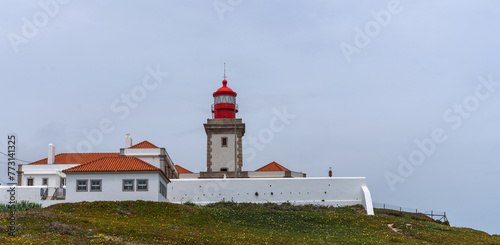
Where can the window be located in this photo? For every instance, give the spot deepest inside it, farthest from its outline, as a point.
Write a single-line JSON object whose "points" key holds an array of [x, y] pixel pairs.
{"points": [[45, 181], [225, 99], [142, 185], [95, 185], [81, 185], [63, 182], [224, 141], [128, 185], [30, 182], [223, 169], [163, 190]]}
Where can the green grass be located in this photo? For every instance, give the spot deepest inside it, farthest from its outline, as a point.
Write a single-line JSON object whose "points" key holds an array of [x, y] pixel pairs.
{"points": [[20, 206], [139, 222]]}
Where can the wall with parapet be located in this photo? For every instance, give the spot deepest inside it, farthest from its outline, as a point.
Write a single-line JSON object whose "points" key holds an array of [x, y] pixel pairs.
{"points": [[27, 193], [320, 191]]}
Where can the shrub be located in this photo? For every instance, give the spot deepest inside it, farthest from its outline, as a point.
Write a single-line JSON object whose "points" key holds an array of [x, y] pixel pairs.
{"points": [[189, 204], [20, 206]]}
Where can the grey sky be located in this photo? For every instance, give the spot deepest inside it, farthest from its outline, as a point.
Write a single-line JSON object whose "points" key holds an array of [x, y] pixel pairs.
{"points": [[357, 117]]}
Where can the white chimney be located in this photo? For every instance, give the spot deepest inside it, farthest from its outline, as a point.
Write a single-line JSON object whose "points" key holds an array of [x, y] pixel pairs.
{"points": [[128, 141], [52, 154]]}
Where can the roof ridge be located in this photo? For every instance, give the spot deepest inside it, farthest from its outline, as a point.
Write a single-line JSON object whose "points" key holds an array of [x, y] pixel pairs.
{"points": [[78, 158], [87, 163], [146, 143], [117, 157], [109, 164], [271, 165], [87, 153], [183, 169]]}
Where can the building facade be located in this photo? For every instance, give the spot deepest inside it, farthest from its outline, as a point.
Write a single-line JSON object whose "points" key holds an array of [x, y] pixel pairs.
{"points": [[146, 172]]}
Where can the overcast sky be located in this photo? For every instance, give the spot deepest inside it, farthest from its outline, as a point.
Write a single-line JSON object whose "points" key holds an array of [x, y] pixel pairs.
{"points": [[404, 92]]}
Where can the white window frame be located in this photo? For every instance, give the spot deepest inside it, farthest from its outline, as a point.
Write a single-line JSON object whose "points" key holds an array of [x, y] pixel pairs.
{"points": [[163, 190], [86, 185], [100, 185], [28, 182], [147, 184], [123, 185]]}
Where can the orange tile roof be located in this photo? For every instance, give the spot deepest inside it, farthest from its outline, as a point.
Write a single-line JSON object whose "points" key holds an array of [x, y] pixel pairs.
{"points": [[76, 158], [144, 144], [115, 164], [274, 166], [182, 170]]}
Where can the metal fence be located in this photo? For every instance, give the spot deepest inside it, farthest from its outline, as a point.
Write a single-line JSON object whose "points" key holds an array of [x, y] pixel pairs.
{"points": [[436, 215], [52, 193]]}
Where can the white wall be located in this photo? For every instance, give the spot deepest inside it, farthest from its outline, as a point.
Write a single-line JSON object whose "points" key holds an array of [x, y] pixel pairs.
{"points": [[367, 200], [39, 171], [142, 152], [273, 174], [266, 174], [222, 157], [189, 176], [321, 191], [27, 193], [112, 187], [149, 155]]}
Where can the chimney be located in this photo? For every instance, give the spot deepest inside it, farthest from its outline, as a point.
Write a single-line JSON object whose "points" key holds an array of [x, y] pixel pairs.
{"points": [[128, 141], [52, 154]]}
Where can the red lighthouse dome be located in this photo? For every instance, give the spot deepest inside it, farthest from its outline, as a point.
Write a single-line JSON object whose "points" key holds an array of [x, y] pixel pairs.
{"points": [[224, 102]]}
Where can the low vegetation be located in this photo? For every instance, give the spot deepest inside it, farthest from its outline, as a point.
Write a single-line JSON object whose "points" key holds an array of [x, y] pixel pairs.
{"points": [[139, 222], [20, 206]]}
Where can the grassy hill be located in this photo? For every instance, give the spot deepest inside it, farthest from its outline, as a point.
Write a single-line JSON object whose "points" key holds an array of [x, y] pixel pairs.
{"points": [[139, 222]]}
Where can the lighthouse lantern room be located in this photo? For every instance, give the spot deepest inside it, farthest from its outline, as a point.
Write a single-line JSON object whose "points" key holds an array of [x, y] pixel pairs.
{"points": [[224, 102]]}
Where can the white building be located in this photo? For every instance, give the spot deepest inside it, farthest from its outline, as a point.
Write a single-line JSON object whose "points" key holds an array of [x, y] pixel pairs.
{"points": [[144, 171], [116, 179], [145, 166]]}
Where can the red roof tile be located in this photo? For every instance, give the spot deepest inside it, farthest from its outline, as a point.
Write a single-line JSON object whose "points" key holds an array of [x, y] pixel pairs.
{"points": [[182, 170], [274, 166], [76, 158], [144, 144], [114, 164]]}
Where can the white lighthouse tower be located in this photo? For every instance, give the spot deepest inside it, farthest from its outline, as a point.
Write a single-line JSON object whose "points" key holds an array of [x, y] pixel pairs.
{"points": [[224, 137]]}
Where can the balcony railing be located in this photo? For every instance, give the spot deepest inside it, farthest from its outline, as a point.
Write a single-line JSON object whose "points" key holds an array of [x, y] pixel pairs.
{"points": [[53, 193]]}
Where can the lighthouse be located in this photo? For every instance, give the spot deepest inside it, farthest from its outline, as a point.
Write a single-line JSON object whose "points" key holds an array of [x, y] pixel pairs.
{"points": [[224, 105], [224, 137]]}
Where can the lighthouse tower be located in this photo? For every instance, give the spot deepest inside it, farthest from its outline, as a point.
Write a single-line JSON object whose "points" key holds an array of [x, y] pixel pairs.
{"points": [[224, 133]]}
